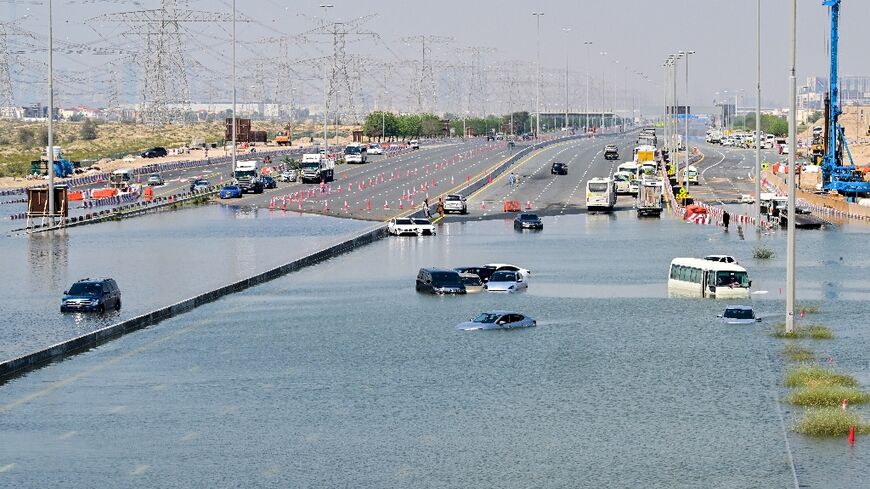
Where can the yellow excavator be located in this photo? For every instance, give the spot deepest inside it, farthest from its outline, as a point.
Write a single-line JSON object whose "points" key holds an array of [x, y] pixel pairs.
{"points": [[284, 138]]}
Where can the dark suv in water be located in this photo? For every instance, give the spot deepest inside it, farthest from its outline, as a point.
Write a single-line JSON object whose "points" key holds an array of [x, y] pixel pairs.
{"points": [[92, 295]]}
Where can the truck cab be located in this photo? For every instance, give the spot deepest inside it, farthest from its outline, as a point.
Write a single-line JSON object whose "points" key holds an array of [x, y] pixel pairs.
{"points": [[247, 176], [317, 168]]}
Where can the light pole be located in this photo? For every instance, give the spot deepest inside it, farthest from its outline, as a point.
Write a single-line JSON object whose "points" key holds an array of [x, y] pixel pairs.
{"points": [[603, 82], [49, 154], [758, 120], [538, 78], [588, 82], [325, 8], [792, 141], [686, 114], [290, 140], [566, 30]]}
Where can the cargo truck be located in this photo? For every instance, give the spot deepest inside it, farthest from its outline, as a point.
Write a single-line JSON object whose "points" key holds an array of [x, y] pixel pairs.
{"points": [[317, 168], [649, 197], [246, 175]]}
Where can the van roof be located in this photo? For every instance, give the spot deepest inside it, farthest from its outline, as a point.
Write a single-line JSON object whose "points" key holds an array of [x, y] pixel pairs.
{"points": [[715, 266]]}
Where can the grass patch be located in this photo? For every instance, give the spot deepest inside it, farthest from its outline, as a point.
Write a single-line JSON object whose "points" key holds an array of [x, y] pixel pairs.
{"points": [[827, 395], [815, 376], [809, 309], [798, 353], [813, 331], [830, 422], [762, 252]]}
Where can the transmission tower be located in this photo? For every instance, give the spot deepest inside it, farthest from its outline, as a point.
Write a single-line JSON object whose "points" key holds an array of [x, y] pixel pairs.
{"points": [[7, 98], [427, 97], [166, 92], [477, 84]]}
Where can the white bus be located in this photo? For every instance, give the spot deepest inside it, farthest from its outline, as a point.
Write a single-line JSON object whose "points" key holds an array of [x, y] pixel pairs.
{"points": [[600, 194], [695, 277]]}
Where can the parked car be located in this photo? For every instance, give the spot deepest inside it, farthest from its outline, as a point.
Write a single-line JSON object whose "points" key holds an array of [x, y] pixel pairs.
{"points": [[155, 179], [559, 168], [157, 152], [375, 149], [424, 226], [402, 226], [231, 192], [739, 315], [527, 220], [472, 283], [497, 320], [506, 281], [268, 182], [483, 272], [414, 144], [439, 281], [455, 203], [199, 184], [288, 176], [92, 295]]}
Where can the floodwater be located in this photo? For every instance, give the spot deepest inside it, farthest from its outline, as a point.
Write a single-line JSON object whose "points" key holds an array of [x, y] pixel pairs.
{"points": [[157, 260], [342, 376]]}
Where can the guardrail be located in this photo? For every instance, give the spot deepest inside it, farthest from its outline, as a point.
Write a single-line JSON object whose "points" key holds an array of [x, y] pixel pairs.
{"points": [[17, 366]]}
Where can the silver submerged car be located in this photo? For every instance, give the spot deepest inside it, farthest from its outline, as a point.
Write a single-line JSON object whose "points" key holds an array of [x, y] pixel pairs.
{"points": [[506, 281], [497, 320], [739, 315]]}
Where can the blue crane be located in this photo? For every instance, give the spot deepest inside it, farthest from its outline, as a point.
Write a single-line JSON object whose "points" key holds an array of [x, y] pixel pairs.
{"points": [[845, 179]]}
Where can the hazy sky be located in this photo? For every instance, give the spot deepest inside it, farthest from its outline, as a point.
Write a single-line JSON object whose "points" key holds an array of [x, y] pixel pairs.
{"points": [[638, 33]]}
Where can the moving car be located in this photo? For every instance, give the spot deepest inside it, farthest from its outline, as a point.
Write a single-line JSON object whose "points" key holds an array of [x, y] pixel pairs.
{"points": [[199, 184], [739, 315], [483, 272], [288, 176], [402, 226], [92, 295], [528, 221], [455, 203], [155, 179], [559, 168], [497, 320], [375, 149], [611, 152], [231, 192], [269, 182], [157, 152], [424, 226], [439, 281], [506, 281], [472, 283]]}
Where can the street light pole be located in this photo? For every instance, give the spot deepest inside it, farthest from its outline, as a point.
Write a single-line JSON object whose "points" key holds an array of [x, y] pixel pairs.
{"points": [[686, 115], [234, 122], [588, 82], [603, 82], [758, 120], [325, 8], [566, 30], [538, 79], [50, 150], [792, 141]]}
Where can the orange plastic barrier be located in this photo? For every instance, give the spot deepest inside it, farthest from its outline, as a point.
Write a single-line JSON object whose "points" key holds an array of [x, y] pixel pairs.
{"points": [[695, 209], [104, 192], [149, 191], [75, 196], [512, 206]]}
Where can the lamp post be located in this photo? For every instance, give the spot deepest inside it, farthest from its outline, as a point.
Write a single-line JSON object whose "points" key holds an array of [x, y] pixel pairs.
{"points": [[325, 8], [603, 82], [792, 141], [686, 114], [758, 120], [538, 78], [50, 150], [588, 82], [566, 30]]}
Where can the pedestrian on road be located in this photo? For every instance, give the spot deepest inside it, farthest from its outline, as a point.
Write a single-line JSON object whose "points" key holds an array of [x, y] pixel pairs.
{"points": [[440, 207], [426, 209], [726, 218], [511, 179], [322, 187]]}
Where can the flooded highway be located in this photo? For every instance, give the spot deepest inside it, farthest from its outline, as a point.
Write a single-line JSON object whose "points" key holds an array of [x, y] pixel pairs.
{"points": [[343, 375]]}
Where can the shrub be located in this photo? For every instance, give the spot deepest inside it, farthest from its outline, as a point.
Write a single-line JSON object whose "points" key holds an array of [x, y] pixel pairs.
{"points": [[88, 131], [827, 395], [798, 353], [816, 376], [813, 331], [762, 252], [830, 421]]}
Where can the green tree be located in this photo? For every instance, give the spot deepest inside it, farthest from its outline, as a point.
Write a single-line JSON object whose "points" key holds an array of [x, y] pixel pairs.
{"points": [[88, 131]]}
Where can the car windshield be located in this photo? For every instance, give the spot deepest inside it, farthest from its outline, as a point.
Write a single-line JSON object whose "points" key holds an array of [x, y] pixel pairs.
{"points": [[311, 165], [473, 281], [503, 276], [231, 187], [528, 217], [352, 150], [245, 173], [487, 318], [201, 182], [155, 176], [598, 187], [86, 288], [453, 197], [404, 221], [738, 313], [446, 279], [422, 221], [732, 279]]}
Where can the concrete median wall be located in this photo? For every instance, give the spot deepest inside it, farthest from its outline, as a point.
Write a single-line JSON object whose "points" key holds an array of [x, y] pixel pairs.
{"points": [[17, 366]]}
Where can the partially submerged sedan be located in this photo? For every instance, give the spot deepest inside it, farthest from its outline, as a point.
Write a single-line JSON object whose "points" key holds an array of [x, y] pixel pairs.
{"points": [[402, 226], [497, 320], [506, 281], [739, 315], [424, 226], [472, 282]]}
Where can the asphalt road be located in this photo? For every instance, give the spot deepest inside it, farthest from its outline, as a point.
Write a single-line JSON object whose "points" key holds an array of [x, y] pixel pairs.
{"points": [[727, 172]]}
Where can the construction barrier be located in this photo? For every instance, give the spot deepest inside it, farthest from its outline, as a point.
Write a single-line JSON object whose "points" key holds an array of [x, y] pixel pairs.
{"points": [[511, 206]]}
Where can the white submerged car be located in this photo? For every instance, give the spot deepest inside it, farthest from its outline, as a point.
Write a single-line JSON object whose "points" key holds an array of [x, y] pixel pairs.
{"points": [[424, 226], [499, 267], [402, 226], [506, 281]]}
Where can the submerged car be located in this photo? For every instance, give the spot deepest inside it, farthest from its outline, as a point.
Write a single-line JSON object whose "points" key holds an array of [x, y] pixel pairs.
{"points": [[92, 295], [439, 281], [424, 226], [497, 320], [483, 272], [402, 226], [528, 221], [231, 192], [498, 267], [739, 315], [506, 281], [472, 282]]}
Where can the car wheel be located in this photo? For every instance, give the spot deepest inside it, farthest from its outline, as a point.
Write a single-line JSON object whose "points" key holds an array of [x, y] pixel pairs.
{"points": [[101, 309], [118, 305]]}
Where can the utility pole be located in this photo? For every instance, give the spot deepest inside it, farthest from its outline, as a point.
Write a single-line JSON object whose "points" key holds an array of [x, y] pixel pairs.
{"points": [[588, 82], [538, 79], [50, 150], [758, 120], [792, 141], [566, 30]]}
